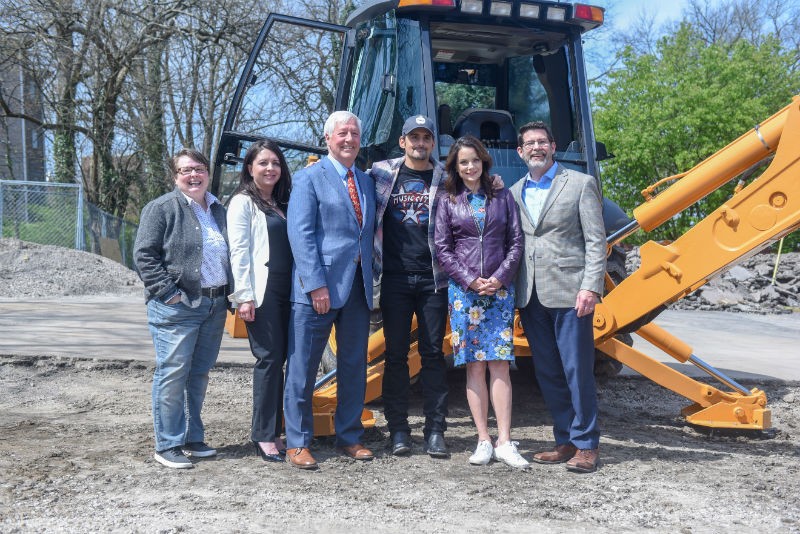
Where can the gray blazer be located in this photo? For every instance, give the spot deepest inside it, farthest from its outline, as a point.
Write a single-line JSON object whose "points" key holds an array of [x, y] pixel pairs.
{"points": [[168, 249], [565, 251]]}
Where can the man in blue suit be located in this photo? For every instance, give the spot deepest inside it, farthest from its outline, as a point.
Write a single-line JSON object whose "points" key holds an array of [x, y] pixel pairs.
{"points": [[331, 219]]}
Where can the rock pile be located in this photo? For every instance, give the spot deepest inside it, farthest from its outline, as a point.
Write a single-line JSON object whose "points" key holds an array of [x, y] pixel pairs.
{"points": [[45, 271], [746, 287]]}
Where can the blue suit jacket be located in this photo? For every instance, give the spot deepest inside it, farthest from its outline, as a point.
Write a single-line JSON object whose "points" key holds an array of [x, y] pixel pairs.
{"points": [[324, 233]]}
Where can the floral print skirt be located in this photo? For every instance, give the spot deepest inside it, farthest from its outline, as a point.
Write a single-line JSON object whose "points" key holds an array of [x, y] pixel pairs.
{"points": [[481, 325]]}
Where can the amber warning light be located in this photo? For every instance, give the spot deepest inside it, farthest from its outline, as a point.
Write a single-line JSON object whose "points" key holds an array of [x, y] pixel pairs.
{"points": [[588, 13], [442, 3]]}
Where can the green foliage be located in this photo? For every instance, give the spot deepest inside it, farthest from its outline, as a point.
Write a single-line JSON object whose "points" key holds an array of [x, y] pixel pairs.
{"points": [[461, 97], [663, 113], [42, 223]]}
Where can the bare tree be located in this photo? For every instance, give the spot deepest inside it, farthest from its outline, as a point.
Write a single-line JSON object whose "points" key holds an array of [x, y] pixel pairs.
{"points": [[735, 20], [201, 65], [125, 82]]}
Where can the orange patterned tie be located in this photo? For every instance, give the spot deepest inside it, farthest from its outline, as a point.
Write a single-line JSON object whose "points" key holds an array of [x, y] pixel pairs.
{"points": [[351, 189]]}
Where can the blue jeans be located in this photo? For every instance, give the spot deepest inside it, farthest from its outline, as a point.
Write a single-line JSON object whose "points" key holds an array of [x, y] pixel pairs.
{"points": [[187, 342]]}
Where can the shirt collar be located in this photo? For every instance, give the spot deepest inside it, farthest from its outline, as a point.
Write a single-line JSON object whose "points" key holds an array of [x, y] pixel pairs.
{"points": [[341, 169], [210, 199], [546, 179]]}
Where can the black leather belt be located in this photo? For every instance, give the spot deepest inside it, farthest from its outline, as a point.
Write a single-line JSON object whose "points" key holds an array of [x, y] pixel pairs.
{"points": [[214, 292]]}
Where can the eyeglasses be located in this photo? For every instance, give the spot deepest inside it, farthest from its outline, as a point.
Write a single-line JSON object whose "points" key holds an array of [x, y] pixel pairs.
{"points": [[533, 143], [187, 171]]}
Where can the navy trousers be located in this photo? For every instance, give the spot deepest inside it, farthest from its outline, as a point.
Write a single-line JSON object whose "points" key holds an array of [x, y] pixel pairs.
{"points": [[308, 336], [563, 350]]}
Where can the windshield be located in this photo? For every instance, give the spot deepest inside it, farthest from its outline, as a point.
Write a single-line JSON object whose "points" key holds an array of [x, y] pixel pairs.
{"points": [[387, 83]]}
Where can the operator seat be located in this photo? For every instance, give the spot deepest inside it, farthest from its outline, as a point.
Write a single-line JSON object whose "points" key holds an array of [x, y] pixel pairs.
{"points": [[494, 127]]}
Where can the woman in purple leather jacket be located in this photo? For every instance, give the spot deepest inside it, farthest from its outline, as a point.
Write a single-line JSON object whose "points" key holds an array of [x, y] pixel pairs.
{"points": [[479, 244]]}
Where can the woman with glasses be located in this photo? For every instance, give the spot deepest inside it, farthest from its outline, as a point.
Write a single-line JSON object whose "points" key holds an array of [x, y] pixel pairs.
{"points": [[479, 245], [262, 268], [181, 253]]}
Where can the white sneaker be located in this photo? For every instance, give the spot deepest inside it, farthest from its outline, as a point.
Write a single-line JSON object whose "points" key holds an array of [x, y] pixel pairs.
{"points": [[483, 453], [507, 453]]}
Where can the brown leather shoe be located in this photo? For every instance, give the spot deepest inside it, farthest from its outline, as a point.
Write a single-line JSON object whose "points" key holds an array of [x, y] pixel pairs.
{"points": [[559, 455], [301, 458], [584, 461], [357, 451]]}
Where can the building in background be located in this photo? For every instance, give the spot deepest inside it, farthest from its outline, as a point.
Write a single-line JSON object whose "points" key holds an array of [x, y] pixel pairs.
{"points": [[21, 141]]}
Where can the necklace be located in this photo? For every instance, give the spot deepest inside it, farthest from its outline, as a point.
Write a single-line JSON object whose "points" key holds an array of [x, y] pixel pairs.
{"points": [[270, 202]]}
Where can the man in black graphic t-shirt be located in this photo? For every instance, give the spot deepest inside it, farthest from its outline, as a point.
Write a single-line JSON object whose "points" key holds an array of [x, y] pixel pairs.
{"points": [[411, 283]]}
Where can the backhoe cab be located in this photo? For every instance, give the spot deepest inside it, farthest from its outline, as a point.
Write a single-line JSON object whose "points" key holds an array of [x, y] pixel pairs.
{"points": [[485, 67]]}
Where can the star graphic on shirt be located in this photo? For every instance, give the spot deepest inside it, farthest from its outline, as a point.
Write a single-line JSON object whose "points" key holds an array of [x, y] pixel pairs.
{"points": [[411, 215], [410, 203]]}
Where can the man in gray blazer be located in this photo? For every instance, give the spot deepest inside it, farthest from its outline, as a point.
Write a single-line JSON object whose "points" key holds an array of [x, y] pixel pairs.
{"points": [[557, 286], [331, 221]]}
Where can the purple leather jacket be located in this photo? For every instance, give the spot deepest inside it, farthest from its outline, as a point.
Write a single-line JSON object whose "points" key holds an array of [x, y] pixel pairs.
{"points": [[464, 254]]}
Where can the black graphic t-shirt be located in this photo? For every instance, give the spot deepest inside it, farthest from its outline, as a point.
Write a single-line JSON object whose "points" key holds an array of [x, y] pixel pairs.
{"points": [[405, 223]]}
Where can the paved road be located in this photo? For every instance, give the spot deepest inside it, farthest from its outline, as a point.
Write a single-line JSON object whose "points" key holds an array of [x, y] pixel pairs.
{"points": [[90, 327], [744, 346]]}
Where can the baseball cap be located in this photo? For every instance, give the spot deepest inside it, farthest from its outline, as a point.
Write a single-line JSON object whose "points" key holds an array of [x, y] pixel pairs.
{"points": [[417, 121]]}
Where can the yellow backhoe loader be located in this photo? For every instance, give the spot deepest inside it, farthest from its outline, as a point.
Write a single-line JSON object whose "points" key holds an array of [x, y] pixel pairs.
{"points": [[485, 67]]}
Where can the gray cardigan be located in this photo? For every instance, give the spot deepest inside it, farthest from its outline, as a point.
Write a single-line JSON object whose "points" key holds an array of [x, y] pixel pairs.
{"points": [[168, 249]]}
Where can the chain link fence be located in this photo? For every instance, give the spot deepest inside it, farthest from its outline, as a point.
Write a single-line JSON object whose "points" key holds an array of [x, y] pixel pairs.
{"points": [[56, 214]]}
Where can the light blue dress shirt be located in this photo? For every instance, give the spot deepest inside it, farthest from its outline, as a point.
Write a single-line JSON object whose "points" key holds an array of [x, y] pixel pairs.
{"points": [[534, 194]]}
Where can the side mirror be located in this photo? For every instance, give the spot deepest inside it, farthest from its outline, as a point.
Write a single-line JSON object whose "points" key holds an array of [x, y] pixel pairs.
{"points": [[601, 153]]}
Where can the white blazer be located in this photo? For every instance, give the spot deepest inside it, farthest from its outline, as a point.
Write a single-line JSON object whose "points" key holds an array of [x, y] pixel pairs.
{"points": [[248, 241]]}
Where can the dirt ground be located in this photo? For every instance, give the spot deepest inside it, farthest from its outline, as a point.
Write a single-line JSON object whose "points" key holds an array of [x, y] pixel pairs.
{"points": [[76, 456], [76, 449]]}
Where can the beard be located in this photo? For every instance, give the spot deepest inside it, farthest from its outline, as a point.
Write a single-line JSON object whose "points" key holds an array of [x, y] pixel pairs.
{"points": [[419, 154], [539, 164]]}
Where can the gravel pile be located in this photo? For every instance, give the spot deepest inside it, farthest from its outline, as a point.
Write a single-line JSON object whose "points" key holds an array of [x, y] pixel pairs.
{"points": [[43, 271], [746, 287]]}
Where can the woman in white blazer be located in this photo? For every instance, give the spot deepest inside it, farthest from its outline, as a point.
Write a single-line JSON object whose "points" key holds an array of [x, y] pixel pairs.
{"points": [[261, 261]]}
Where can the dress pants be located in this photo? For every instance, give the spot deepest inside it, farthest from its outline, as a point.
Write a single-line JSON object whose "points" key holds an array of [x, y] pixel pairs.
{"points": [[402, 296], [268, 334], [308, 337], [563, 350]]}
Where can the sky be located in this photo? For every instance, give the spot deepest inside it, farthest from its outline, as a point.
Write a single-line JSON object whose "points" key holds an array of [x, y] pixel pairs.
{"points": [[621, 15], [624, 12]]}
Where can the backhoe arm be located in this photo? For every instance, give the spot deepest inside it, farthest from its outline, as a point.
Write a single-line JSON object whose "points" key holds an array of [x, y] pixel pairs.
{"points": [[762, 212], [757, 215]]}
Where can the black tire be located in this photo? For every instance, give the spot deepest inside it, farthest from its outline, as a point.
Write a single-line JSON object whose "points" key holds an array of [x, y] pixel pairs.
{"points": [[328, 362]]}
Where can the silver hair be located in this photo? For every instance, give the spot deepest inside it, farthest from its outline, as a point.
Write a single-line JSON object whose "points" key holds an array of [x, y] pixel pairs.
{"points": [[340, 117]]}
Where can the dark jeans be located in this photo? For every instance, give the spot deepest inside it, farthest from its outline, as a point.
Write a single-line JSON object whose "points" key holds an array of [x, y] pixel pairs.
{"points": [[267, 334], [402, 296]]}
